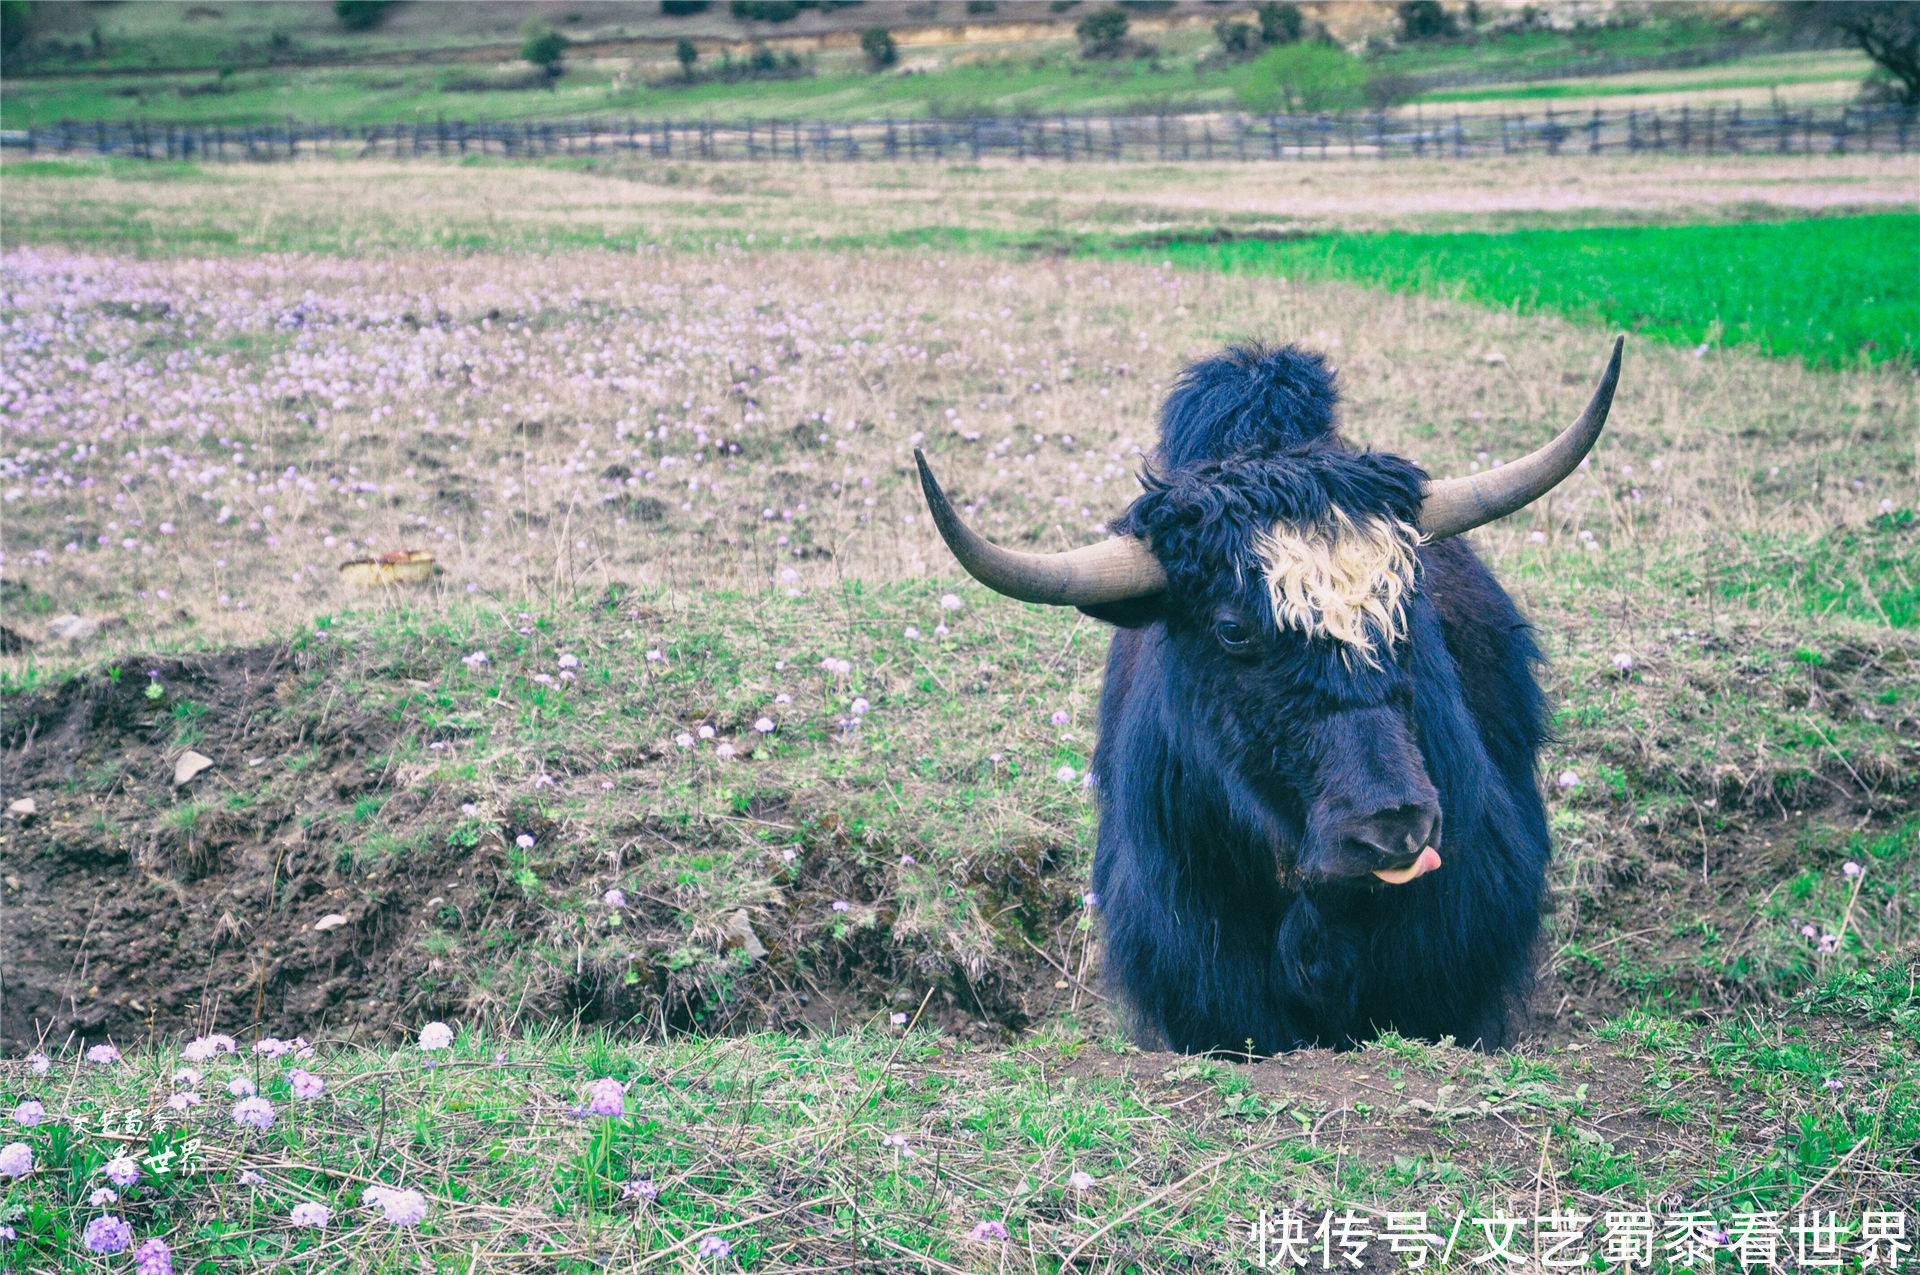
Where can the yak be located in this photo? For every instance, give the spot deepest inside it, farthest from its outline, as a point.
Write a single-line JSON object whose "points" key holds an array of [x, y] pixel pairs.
{"points": [[1316, 773]]}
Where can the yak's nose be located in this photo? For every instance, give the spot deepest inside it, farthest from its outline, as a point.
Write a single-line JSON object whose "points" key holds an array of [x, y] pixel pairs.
{"points": [[1394, 841]]}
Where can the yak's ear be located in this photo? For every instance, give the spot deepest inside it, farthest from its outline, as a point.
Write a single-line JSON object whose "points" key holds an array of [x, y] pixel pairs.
{"points": [[1129, 613]]}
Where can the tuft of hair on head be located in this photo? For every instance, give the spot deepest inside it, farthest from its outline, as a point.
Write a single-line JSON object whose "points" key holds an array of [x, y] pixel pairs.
{"points": [[1249, 397], [1342, 578]]}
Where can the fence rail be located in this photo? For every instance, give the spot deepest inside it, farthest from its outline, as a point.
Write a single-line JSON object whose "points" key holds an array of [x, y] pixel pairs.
{"points": [[1064, 139]]}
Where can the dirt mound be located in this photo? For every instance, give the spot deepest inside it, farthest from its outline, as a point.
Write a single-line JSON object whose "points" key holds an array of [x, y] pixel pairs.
{"points": [[133, 903]]}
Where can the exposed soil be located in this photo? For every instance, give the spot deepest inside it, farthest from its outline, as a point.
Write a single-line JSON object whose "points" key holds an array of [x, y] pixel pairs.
{"points": [[130, 904]]}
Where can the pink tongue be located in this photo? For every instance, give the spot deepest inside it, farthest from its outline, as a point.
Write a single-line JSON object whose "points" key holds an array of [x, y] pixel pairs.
{"points": [[1429, 860]]}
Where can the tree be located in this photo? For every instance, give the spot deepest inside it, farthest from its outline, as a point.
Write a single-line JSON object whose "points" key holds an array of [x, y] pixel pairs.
{"points": [[1101, 34], [1279, 23], [1888, 31], [1424, 20], [361, 15], [16, 23], [682, 8], [543, 46], [1306, 78], [877, 43], [687, 53]]}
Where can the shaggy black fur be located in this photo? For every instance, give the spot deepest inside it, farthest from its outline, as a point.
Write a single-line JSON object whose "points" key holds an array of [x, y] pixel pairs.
{"points": [[1240, 780]]}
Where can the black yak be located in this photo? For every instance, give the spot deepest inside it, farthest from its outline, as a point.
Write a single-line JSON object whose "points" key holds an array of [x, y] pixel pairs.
{"points": [[1315, 699]]}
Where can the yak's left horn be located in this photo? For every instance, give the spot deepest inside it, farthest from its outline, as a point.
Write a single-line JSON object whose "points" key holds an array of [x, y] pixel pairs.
{"points": [[1454, 505], [1110, 571]]}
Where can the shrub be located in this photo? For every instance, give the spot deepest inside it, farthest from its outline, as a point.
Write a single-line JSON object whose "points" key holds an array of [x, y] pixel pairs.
{"points": [[1279, 23], [686, 53], [766, 10], [879, 47], [361, 15], [682, 8], [1102, 34], [1424, 20], [1306, 78], [1237, 39], [541, 45]]}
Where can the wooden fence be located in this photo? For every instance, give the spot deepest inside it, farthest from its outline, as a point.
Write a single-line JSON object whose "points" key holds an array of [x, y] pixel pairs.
{"points": [[1063, 139]]}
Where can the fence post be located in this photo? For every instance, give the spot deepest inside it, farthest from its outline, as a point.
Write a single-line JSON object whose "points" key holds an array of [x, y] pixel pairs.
{"points": [[1380, 134], [1712, 118], [1593, 133]]}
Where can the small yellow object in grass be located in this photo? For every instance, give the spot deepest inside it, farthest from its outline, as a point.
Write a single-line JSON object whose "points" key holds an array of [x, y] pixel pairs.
{"points": [[407, 566]]}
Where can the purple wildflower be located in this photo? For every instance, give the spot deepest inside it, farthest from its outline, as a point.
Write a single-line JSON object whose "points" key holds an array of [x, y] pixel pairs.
{"points": [[204, 1048], [16, 1160], [30, 1113], [153, 1258], [305, 1083], [404, 1208], [122, 1171], [714, 1246], [991, 1229], [639, 1189], [241, 1087], [103, 1055], [255, 1113], [436, 1036], [107, 1234], [309, 1213], [607, 1098]]}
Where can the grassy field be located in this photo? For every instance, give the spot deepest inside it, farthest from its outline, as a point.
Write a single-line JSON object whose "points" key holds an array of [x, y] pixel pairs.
{"points": [[1830, 292], [240, 63], [665, 470]]}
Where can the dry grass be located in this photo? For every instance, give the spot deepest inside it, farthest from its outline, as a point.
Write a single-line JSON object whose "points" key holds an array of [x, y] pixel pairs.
{"points": [[379, 206], [282, 415]]}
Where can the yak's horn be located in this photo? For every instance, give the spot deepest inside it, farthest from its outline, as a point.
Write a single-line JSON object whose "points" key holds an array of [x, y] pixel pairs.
{"points": [[1454, 505], [1110, 571]]}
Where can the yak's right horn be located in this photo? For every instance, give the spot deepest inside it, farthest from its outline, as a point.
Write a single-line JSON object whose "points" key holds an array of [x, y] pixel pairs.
{"points": [[1110, 571]]}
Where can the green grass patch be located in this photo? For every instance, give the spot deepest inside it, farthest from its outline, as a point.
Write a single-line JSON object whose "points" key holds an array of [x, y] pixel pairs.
{"points": [[1832, 292]]}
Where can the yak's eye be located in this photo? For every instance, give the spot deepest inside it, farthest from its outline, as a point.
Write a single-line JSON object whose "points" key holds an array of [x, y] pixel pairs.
{"points": [[1232, 634]]}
